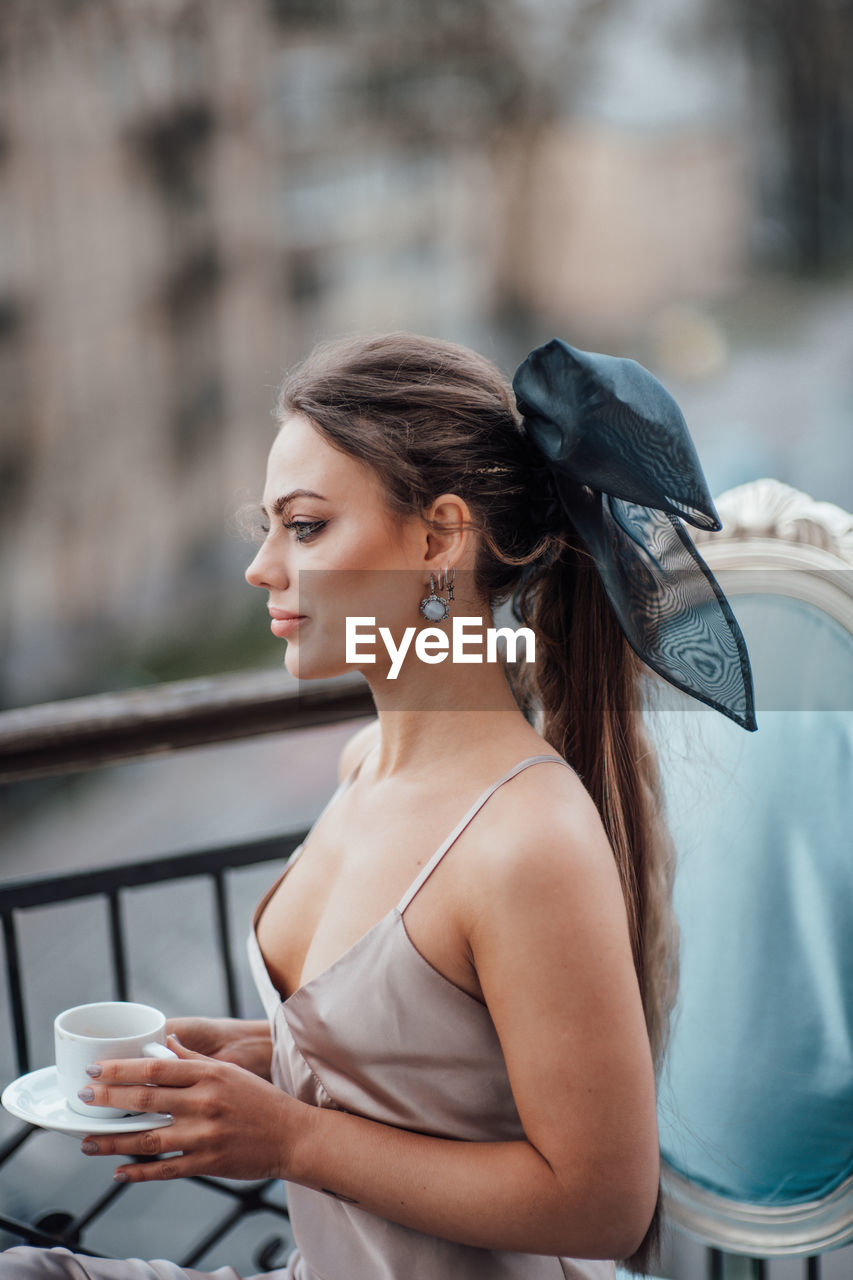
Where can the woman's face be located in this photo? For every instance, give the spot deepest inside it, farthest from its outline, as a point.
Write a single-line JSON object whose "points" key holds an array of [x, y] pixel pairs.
{"points": [[331, 552]]}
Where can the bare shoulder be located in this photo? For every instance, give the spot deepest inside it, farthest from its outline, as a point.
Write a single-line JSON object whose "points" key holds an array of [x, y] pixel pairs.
{"points": [[542, 807], [544, 839], [356, 747]]}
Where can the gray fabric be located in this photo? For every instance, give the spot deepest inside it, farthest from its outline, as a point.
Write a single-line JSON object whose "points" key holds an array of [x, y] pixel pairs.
{"points": [[27, 1263]]}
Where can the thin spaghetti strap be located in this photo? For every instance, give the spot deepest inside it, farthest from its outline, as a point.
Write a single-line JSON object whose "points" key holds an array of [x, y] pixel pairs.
{"points": [[436, 858]]}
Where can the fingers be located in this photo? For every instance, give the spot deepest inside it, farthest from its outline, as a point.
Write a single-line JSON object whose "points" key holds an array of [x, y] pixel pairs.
{"points": [[207, 1035], [182, 1071], [178, 1166], [178, 1047], [144, 1084], [228, 1124], [156, 1085], [153, 1142]]}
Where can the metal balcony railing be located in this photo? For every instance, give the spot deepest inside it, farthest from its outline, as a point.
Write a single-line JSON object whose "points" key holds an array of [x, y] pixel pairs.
{"points": [[112, 885], [81, 734]]}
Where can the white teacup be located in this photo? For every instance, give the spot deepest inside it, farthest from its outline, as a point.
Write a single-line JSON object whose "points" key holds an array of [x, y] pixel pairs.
{"points": [[94, 1032]]}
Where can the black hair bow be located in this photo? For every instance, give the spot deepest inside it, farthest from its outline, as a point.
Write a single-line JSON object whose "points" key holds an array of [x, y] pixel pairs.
{"points": [[625, 469]]}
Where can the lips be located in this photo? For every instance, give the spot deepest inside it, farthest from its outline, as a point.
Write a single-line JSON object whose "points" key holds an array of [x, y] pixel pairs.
{"points": [[283, 623]]}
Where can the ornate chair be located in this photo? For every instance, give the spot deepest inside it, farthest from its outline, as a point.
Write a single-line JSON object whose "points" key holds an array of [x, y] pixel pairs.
{"points": [[756, 1100]]}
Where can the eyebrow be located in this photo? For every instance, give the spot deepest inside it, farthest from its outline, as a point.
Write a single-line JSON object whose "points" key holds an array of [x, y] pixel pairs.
{"points": [[279, 505]]}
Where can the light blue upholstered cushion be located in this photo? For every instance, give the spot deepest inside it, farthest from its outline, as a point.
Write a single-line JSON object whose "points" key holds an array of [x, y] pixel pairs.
{"points": [[756, 1100], [629, 1275]]}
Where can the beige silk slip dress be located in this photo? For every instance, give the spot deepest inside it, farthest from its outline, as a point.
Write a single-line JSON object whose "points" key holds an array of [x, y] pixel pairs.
{"points": [[382, 1034]]}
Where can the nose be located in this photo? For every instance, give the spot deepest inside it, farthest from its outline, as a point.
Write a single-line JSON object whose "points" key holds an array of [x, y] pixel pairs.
{"points": [[267, 570]]}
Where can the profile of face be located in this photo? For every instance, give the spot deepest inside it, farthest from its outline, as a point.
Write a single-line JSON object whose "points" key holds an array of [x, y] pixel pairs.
{"points": [[333, 550]]}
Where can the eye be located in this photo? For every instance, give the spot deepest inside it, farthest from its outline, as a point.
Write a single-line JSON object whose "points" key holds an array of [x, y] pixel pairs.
{"points": [[305, 529]]}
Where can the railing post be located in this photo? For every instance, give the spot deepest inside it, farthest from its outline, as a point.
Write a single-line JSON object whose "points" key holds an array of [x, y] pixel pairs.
{"points": [[16, 997], [117, 947], [223, 925]]}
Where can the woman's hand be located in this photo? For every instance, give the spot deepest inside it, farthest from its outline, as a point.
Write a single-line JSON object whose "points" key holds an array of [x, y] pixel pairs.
{"points": [[239, 1040], [226, 1121]]}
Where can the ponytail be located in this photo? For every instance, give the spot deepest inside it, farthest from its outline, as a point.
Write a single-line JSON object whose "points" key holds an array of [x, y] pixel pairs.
{"points": [[586, 686]]}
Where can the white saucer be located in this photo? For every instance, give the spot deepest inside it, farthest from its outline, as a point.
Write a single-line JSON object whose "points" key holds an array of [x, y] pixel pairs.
{"points": [[35, 1098]]}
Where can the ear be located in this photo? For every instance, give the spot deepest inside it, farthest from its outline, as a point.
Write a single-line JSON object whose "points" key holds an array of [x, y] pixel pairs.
{"points": [[448, 545]]}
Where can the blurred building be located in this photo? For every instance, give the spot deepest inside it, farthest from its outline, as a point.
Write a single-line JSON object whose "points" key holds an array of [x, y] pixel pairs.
{"points": [[192, 192], [638, 192], [185, 208]]}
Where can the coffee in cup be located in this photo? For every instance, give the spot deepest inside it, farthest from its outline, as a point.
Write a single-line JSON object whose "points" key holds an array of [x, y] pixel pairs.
{"points": [[95, 1032]]}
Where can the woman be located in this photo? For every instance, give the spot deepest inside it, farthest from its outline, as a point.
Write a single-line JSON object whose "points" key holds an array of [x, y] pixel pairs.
{"points": [[465, 1034]]}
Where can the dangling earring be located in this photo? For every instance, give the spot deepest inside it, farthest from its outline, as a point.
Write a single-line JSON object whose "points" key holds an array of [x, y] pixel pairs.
{"points": [[435, 608]]}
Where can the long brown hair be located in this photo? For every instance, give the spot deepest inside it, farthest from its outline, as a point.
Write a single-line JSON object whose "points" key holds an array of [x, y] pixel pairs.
{"points": [[432, 417]]}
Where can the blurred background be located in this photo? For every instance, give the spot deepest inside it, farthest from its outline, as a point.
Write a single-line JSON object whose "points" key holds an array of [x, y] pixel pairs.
{"points": [[192, 192]]}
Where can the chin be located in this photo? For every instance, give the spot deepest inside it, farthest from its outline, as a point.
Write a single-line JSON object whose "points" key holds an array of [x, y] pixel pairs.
{"points": [[312, 666]]}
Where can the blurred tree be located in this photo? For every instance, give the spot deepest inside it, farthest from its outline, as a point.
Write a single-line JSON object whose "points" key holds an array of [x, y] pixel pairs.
{"points": [[426, 75], [496, 74]]}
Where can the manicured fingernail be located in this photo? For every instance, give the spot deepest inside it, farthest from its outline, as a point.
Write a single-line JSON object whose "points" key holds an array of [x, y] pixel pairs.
{"points": [[94, 1069], [120, 1176], [89, 1147], [86, 1095]]}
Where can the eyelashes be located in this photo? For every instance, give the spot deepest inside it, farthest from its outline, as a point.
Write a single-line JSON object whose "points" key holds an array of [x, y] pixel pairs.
{"points": [[252, 523], [305, 529]]}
